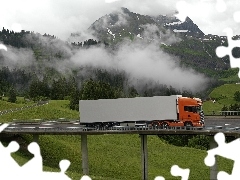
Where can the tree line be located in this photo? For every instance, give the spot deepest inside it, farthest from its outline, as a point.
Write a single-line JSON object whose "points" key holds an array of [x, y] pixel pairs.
{"points": [[51, 85], [102, 84]]}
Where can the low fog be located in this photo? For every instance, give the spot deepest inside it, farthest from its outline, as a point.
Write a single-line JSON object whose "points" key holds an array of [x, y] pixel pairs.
{"points": [[142, 59]]}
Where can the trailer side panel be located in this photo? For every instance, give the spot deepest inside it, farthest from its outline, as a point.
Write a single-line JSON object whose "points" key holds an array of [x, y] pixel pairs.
{"points": [[128, 109]]}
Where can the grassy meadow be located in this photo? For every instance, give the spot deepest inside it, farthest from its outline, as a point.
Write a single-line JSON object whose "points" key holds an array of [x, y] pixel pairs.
{"points": [[118, 157], [111, 157], [223, 95], [55, 109]]}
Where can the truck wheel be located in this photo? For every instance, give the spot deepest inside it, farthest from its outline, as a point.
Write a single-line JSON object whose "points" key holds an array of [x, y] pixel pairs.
{"points": [[155, 124], [99, 126], [188, 125], [164, 125]]}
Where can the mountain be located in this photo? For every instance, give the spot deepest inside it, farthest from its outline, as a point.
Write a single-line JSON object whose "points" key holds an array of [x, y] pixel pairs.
{"points": [[45, 57], [195, 49], [118, 25], [186, 28]]}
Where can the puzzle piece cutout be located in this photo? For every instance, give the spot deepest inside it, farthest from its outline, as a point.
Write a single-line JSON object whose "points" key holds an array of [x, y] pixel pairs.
{"points": [[85, 177], [5, 156], [236, 16], [36, 161], [182, 8], [227, 150], [222, 51], [33, 169], [110, 1], [3, 126], [221, 6], [177, 171], [3, 47]]}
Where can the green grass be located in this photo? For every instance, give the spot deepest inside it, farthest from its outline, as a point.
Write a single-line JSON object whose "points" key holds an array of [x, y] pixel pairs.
{"points": [[224, 95], [5, 105], [54, 110], [230, 75], [118, 157], [209, 107], [225, 91], [233, 78], [111, 157]]}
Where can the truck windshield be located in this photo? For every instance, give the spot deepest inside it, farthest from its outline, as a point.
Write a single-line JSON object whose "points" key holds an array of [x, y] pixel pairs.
{"points": [[199, 109], [194, 109]]}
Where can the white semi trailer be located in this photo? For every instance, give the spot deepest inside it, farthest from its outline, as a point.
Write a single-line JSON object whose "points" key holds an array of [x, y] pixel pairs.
{"points": [[172, 110]]}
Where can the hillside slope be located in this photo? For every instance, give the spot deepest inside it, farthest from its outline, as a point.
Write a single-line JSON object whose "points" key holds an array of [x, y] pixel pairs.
{"points": [[223, 96], [182, 39], [112, 157]]}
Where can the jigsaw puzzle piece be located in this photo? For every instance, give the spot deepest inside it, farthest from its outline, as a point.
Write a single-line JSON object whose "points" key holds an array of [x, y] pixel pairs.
{"points": [[221, 141], [5, 125], [177, 171], [40, 174], [181, 7], [222, 51], [8, 163], [3, 47], [236, 16], [223, 176], [85, 177], [156, 178], [36, 161], [111, 1], [226, 150], [64, 165], [210, 159], [221, 6], [223, 149]]}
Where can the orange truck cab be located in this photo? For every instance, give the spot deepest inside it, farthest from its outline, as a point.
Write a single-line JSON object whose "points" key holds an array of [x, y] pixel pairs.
{"points": [[190, 111]]}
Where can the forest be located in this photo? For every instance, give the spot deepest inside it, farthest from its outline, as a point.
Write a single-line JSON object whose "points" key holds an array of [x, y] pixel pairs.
{"points": [[100, 83]]}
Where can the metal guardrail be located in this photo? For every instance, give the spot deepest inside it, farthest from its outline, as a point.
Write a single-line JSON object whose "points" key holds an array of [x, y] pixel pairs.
{"points": [[54, 126], [169, 128], [68, 126], [41, 103]]}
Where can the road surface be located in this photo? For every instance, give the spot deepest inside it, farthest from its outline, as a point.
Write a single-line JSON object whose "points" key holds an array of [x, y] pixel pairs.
{"points": [[223, 121]]}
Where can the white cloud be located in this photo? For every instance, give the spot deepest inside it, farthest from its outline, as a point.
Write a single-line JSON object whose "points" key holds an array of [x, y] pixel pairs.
{"points": [[142, 61], [14, 57], [3, 47], [64, 17]]}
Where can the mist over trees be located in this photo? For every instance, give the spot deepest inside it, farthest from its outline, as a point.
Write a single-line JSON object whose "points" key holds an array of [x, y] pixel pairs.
{"points": [[37, 81]]}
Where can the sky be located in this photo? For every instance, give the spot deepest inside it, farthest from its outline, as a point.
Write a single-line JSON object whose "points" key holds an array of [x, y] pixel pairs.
{"points": [[62, 17]]}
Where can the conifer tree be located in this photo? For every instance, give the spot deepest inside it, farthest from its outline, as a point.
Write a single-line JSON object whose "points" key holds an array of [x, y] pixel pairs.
{"points": [[12, 95]]}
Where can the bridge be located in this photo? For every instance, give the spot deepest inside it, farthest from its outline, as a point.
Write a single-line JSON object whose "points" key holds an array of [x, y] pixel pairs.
{"points": [[72, 127]]}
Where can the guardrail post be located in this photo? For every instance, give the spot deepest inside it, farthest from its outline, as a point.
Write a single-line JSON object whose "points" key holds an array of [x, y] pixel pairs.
{"points": [[214, 168], [84, 154], [144, 157], [35, 138]]}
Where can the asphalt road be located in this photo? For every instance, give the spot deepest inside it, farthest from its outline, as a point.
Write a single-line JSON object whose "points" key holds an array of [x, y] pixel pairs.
{"points": [[213, 125], [209, 121], [222, 121]]}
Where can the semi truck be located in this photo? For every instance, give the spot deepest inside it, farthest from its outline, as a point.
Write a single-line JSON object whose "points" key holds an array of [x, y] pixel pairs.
{"points": [[156, 111]]}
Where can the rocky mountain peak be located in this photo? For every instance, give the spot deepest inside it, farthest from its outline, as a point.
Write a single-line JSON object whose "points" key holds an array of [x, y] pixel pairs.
{"points": [[124, 23]]}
